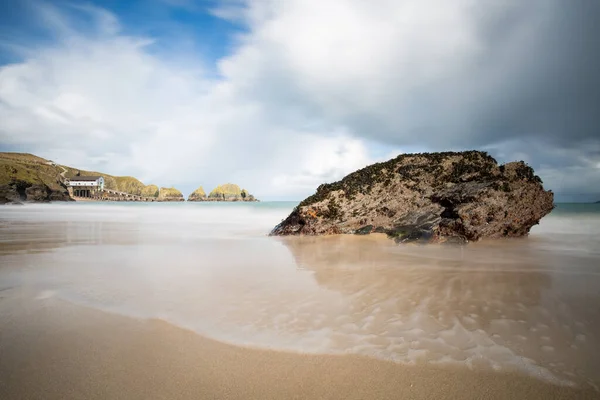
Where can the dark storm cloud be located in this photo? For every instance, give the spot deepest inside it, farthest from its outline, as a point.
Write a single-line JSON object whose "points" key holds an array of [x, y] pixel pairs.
{"points": [[552, 90], [535, 73], [538, 77], [531, 90], [551, 100]]}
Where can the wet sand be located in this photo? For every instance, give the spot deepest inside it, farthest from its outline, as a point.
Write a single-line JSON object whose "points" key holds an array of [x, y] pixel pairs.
{"points": [[51, 349], [194, 301]]}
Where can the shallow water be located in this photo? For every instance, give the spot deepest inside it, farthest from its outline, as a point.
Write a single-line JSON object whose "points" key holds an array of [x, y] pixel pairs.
{"points": [[530, 305]]}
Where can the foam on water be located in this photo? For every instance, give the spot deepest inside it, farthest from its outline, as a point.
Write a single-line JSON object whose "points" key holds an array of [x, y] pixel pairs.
{"points": [[526, 305]]}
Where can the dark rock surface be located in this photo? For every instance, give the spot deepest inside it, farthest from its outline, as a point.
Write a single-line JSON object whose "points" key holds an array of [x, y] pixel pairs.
{"points": [[432, 197], [18, 192]]}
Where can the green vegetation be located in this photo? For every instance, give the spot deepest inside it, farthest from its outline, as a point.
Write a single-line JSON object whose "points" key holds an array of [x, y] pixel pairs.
{"points": [[24, 158], [197, 195], [230, 192], [525, 172], [27, 169], [22, 170], [169, 193], [129, 184], [199, 192], [333, 211], [150, 191], [126, 184], [412, 165], [226, 191]]}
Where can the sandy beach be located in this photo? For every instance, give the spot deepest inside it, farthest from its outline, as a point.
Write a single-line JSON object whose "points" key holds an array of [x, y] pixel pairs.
{"points": [[167, 301], [55, 350]]}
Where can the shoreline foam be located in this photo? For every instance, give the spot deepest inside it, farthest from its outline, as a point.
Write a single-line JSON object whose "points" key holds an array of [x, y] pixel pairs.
{"points": [[53, 349]]}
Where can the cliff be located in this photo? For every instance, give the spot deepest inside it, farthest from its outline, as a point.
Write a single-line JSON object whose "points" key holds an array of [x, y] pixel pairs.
{"points": [[430, 197], [150, 191], [170, 194], [197, 195], [25, 177], [230, 192], [126, 184]]}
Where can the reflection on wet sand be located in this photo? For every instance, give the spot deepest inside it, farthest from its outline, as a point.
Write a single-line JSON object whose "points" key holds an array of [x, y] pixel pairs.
{"points": [[35, 237], [492, 305], [528, 306]]}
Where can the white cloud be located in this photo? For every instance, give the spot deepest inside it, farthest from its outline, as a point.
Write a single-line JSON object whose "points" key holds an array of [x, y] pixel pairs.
{"points": [[328, 159], [388, 65], [442, 73], [106, 103], [302, 99]]}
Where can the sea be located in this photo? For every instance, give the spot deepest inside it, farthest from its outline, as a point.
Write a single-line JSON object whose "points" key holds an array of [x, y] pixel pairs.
{"points": [[528, 305]]}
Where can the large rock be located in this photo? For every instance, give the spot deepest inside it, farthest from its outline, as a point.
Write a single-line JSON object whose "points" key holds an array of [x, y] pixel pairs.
{"points": [[20, 191], [25, 177], [434, 197], [170, 194], [10, 194], [229, 192], [197, 195]]}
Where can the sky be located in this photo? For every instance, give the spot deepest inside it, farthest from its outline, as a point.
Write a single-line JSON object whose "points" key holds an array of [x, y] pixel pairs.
{"points": [[280, 96]]}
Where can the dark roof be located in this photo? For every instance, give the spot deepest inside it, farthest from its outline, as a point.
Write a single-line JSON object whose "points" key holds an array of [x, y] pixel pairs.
{"points": [[85, 178]]}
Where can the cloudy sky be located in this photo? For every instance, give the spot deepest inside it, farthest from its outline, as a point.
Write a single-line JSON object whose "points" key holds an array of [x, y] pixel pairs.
{"points": [[282, 95]]}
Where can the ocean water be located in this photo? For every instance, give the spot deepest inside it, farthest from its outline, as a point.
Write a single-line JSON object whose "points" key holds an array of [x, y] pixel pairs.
{"points": [[530, 305]]}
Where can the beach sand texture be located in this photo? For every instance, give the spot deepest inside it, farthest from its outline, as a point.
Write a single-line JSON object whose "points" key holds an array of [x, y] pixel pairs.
{"points": [[194, 301], [55, 350]]}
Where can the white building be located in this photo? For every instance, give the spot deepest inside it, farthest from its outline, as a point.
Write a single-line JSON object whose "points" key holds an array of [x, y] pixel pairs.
{"points": [[93, 181], [86, 186]]}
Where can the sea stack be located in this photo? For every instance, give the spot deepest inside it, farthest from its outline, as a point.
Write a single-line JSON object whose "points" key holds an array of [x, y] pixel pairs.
{"points": [[170, 194], [230, 192], [197, 195], [428, 197]]}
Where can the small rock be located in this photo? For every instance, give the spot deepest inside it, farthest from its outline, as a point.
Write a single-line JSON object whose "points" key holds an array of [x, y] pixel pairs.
{"points": [[365, 230]]}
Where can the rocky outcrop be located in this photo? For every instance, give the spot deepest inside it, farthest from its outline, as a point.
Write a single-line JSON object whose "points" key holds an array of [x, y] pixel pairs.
{"points": [[25, 177], [431, 197], [229, 192], [197, 195], [21, 191], [170, 194], [124, 184], [150, 191], [129, 184]]}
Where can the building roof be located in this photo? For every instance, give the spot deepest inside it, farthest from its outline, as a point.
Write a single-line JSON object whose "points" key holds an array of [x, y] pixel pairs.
{"points": [[85, 178]]}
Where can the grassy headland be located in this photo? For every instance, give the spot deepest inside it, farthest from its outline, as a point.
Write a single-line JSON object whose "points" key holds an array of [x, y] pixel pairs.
{"points": [[26, 177]]}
